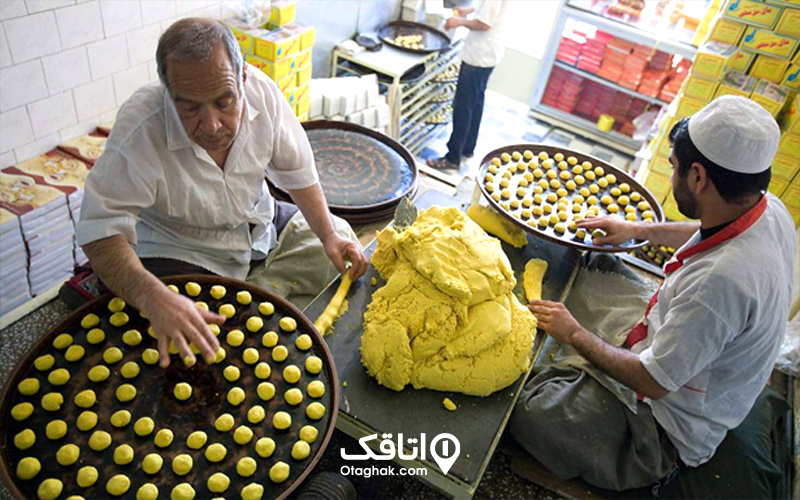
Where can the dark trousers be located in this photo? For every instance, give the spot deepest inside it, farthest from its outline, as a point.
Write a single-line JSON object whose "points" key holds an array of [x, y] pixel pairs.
{"points": [[467, 111]]}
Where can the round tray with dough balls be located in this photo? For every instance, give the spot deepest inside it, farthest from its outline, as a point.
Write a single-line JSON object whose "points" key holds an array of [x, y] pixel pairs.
{"points": [[40, 438], [536, 185]]}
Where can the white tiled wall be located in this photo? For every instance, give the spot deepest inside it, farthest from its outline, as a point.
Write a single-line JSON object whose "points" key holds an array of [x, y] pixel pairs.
{"points": [[66, 66]]}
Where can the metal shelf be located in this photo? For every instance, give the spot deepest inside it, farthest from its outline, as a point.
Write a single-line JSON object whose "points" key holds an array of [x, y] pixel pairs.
{"points": [[609, 83], [586, 128]]}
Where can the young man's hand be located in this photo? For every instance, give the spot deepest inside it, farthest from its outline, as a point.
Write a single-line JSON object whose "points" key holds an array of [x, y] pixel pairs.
{"points": [[617, 230], [555, 319]]}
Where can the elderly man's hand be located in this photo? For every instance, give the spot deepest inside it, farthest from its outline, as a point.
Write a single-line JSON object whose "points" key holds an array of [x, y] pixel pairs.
{"points": [[341, 251], [555, 319], [176, 318]]}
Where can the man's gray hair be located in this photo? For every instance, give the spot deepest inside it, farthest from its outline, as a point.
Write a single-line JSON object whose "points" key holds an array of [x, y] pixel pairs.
{"points": [[196, 39]]}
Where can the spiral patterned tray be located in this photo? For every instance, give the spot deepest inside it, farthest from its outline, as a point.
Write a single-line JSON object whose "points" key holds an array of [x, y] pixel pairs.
{"points": [[433, 40]]}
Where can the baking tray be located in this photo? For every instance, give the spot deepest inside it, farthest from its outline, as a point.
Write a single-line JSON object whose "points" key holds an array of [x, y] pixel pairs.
{"points": [[433, 39], [413, 75], [155, 399], [549, 232]]}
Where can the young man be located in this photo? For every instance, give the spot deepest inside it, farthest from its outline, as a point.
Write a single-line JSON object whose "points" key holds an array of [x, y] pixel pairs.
{"points": [[709, 337]]}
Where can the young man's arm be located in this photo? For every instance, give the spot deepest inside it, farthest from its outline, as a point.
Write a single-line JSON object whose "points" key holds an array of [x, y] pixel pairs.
{"points": [[471, 24], [671, 234]]}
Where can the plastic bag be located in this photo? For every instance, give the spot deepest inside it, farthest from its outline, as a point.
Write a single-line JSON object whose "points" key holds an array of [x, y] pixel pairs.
{"points": [[251, 13], [789, 356]]}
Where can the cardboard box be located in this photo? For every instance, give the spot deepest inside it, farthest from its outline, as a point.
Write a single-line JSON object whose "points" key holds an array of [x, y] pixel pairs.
{"points": [[791, 197], [281, 12], [790, 147], [790, 119], [726, 31], [303, 75], [276, 45], [302, 58], [244, 34], [671, 211], [740, 61], [784, 167], [660, 164], [687, 106], [752, 12], [736, 83], [287, 83], [770, 96], [791, 78], [712, 58], [658, 184], [276, 70], [777, 186], [769, 68], [306, 33], [303, 106], [699, 87], [766, 42], [789, 23], [303, 93], [785, 3]]}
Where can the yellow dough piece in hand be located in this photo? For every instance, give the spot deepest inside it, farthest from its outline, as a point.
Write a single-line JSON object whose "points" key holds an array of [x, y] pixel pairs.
{"points": [[52, 401], [246, 467], [242, 435], [309, 433], [63, 341], [269, 339], [182, 464], [220, 355], [182, 391], [192, 289], [282, 420], [99, 440], [147, 491], [301, 450], [119, 319], [231, 373], [263, 370], [163, 438], [99, 373], [256, 414], [252, 491], [266, 308], [130, 370], [279, 472], [227, 310], [265, 447], [74, 353], [59, 376], [236, 396], [224, 422], [243, 297], [183, 491], [123, 454], [196, 440], [85, 399], [28, 387], [335, 308], [315, 411], [288, 324], [292, 374], [303, 342], [132, 337], [218, 483], [125, 393], [44, 363], [235, 338], [218, 291], [144, 426], [313, 365], [55, 429], [316, 389], [116, 305], [152, 463], [254, 323], [118, 485], [112, 355], [293, 397], [86, 421], [25, 439], [121, 418], [280, 353], [86, 476], [532, 277], [50, 489], [68, 454], [216, 453], [250, 356], [21, 411], [28, 467]]}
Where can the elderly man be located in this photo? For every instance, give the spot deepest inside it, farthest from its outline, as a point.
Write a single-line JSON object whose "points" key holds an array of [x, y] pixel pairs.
{"points": [[180, 189], [709, 337]]}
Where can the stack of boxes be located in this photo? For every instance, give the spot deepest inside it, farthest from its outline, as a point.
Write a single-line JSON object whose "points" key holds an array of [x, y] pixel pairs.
{"points": [[563, 90], [14, 287], [282, 49], [752, 50], [352, 99]]}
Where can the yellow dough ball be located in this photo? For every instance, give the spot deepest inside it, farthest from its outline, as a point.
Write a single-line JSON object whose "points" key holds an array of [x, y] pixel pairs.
{"points": [[643, 205], [293, 396], [291, 374], [227, 310], [119, 319], [56, 429], [196, 440], [183, 491], [163, 438], [151, 332], [265, 447], [250, 356], [231, 373], [279, 472], [505, 157], [252, 491], [173, 288], [288, 324], [218, 291], [313, 365], [118, 485], [112, 355], [193, 289], [631, 217], [28, 468], [58, 377], [243, 297], [270, 339], [254, 324], [316, 389], [182, 464], [590, 176], [130, 370], [265, 390], [123, 454], [315, 411], [116, 305], [50, 489], [68, 454], [90, 321], [125, 393], [44, 363], [636, 197], [256, 414], [62, 341], [602, 182], [235, 338], [99, 440], [220, 357], [28, 387], [147, 491], [612, 208], [218, 483], [242, 435], [121, 418], [182, 391], [99, 373], [309, 433], [152, 463], [216, 452], [263, 370], [86, 421], [281, 420], [52, 401], [214, 329], [615, 192], [74, 353], [25, 439], [246, 467], [236, 396], [224, 422], [266, 308], [132, 337], [301, 450], [85, 399], [87, 476], [280, 353]]}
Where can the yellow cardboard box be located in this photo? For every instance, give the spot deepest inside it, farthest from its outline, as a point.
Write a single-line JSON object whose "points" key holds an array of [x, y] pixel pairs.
{"points": [[306, 34], [777, 186], [281, 12], [660, 145], [303, 106], [726, 31], [736, 83], [276, 70], [769, 68], [660, 164], [796, 60], [303, 75], [690, 105], [767, 42], [789, 23], [302, 117], [276, 44], [302, 58], [699, 87], [791, 196], [287, 84], [740, 61], [712, 58], [770, 96], [795, 4], [243, 34], [784, 167], [658, 184], [791, 78], [752, 12], [790, 147], [671, 210], [790, 119], [303, 92]]}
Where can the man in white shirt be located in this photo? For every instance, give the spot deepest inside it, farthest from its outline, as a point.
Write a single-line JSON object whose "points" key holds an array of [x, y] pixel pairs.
{"points": [[709, 337], [181, 189], [483, 49]]}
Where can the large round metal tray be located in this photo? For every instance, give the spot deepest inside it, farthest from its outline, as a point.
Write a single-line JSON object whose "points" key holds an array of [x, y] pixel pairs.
{"points": [[549, 233], [155, 399], [433, 39]]}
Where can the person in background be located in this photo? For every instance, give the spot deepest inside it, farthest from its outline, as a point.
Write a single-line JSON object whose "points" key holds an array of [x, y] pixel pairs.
{"points": [[483, 49], [706, 345]]}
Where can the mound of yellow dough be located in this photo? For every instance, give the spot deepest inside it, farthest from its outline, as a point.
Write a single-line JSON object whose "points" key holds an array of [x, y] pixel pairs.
{"points": [[446, 318]]}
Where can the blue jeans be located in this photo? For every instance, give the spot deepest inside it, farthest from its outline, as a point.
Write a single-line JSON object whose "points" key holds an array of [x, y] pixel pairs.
{"points": [[467, 111]]}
